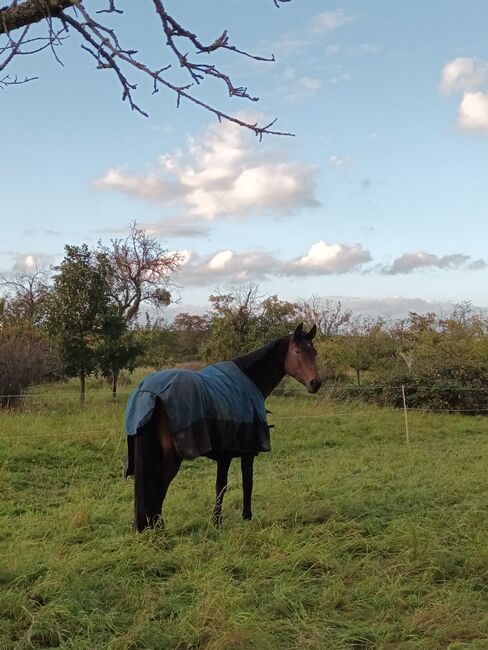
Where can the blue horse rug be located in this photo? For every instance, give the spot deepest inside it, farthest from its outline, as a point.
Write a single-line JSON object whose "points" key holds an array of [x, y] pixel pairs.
{"points": [[211, 410]]}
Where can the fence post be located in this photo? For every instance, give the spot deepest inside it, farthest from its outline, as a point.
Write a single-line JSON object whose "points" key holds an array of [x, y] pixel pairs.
{"points": [[405, 413]]}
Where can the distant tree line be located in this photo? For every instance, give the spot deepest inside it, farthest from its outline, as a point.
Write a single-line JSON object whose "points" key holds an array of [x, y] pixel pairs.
{"points": [[97, 313]]}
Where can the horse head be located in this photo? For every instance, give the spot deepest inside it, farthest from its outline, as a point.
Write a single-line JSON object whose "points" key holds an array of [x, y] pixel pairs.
{"points": [[301, 358]]}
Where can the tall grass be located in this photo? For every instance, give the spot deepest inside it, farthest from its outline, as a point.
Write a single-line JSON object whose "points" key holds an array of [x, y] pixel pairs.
{"points": [[358, 540]]}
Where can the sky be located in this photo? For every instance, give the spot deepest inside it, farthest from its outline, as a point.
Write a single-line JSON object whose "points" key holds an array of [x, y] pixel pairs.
{"points": [[380, 199]]}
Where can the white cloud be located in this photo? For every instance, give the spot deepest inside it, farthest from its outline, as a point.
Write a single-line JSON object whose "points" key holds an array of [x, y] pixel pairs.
{"points": [[303, 87], [229, 267], [177, 227], [220, 260], [360, 50], [323, 259], [288, 46], [151, 187], [340, 161], [409, 262], [222, 175], [329, 21], [463, 74], [393, 307], [30, 263], [473, 112]]}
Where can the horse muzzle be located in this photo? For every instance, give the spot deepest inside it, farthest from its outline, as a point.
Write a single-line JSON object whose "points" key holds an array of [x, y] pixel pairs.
{"points": [[314, 385]]}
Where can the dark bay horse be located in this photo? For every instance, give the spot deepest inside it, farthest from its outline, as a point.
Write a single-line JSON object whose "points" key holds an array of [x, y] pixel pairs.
{"points": [[217, 412]]}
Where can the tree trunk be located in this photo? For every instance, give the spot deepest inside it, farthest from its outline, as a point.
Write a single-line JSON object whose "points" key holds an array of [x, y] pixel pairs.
{"points": [[82, 388], [358, 376], [115, 378], [14, 16]]}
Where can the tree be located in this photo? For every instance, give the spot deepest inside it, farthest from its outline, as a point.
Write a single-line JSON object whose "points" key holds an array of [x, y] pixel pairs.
{"points": [[242, 320], [80, 310], [160, 347], [191, 330], [277, 317], [140, 271], [26, 358], [26, 297], [118, 349], [329, 316], [366, 345], [100, 38]]}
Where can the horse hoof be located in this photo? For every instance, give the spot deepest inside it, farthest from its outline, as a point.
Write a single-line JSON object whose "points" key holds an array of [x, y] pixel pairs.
{"points": [[247, 516]]}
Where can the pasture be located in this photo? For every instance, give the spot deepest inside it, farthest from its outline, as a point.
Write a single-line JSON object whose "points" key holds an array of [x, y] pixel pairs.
{"points": [[357, 541]]}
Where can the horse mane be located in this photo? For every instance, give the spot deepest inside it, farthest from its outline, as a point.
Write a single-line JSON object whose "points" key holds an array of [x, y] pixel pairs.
{"points": [[265, 366], [250, 359]]}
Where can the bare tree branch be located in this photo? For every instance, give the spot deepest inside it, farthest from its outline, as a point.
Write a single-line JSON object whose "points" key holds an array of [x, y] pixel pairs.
{"points": [[14, 15], [100, 40]]}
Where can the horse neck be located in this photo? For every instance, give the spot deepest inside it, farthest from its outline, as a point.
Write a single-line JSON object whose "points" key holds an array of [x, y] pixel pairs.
{"points": [[265, 366]]}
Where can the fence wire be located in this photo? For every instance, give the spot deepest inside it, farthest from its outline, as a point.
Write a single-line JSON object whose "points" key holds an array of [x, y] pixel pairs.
{"points": [[278, 392]]}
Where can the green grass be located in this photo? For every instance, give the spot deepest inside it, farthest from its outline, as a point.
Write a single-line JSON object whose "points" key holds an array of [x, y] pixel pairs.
{"points": [[358, 541]]}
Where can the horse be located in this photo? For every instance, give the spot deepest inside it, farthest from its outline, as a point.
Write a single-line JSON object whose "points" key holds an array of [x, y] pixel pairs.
{"points": [[217, 412]]}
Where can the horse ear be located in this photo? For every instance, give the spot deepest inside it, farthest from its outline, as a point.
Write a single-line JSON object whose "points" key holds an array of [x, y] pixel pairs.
{"points": [[298, 330], [312, 332]]}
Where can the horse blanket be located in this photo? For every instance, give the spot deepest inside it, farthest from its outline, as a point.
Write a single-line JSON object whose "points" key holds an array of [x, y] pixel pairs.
{"points": [[211, 410]]}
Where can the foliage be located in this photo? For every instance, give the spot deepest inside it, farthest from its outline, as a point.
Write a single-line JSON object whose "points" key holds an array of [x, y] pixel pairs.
{"points": [[242, 320], [191, 331], [159, 345], [442, 362], [119, 349], [26, 358], [80, 311]]}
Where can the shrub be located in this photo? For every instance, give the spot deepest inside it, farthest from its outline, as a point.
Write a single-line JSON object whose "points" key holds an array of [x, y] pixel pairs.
{"points": [[26, 358]]}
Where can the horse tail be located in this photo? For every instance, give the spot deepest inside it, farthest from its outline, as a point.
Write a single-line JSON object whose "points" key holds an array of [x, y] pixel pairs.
{"points": [[148, 469]]}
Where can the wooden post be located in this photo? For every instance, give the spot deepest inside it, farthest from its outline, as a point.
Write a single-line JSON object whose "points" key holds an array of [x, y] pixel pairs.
{"points": [[405, 412]]}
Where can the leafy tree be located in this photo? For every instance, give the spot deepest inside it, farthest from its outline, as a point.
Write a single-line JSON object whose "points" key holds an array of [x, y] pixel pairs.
{"points": [[80, 311], [277, 317], [118, 349], [100, 37], [191, 330], [159, 344], [366, 345], [242, 320]]}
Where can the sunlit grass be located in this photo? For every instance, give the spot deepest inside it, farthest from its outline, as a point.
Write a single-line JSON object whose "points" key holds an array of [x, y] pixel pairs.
{"points": [[358, 540]]}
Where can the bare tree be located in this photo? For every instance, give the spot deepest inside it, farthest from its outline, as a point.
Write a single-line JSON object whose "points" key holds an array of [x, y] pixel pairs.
{"points": [[25, 296], [329, 316], [141, 271], [100, 39]]}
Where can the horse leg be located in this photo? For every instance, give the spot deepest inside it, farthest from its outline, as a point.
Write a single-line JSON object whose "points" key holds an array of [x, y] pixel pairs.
{"points": [[220, 487], [171, 460], [247, 462], [148, 464], [156, 463]]}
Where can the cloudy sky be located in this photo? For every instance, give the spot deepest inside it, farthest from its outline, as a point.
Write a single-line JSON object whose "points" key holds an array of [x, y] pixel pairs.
{"points": [[380, 198]]}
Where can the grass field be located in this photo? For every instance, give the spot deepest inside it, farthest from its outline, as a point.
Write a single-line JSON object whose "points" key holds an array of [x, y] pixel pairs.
{"points": [[358, 541]]}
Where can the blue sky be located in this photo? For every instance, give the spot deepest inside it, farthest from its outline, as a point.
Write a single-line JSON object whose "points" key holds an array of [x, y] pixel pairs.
{"points": [[381, 197]]}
